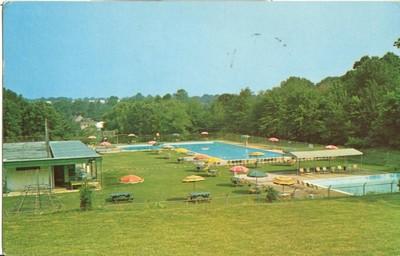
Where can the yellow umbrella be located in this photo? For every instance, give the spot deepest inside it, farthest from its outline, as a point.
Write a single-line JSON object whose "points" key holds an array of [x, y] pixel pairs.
{"points": [[213, 160], [284, 181], [193, 179], [256, 154], [181, 150]]}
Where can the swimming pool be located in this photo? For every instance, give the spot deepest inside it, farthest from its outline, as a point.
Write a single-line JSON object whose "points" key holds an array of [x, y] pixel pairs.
{"points": [[221, 150], [361, 185]]}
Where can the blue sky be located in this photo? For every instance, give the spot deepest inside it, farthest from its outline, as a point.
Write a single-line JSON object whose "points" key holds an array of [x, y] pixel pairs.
{"points": [[120, 48]]}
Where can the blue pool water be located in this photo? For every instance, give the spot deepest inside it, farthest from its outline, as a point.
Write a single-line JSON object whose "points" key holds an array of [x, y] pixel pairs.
{"points": [[360, 185], [215, 149]]}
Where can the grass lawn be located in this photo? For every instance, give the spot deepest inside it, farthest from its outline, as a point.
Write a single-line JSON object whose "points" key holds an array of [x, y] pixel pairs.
{"points": [[233, 225]]}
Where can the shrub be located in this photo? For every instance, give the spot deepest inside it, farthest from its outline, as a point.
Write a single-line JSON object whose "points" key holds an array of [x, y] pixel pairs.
{"points": [[85, 197], [272, 194]]}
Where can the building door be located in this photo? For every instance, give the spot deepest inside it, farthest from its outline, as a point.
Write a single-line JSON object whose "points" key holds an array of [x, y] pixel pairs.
{"points": [[59, 180]]}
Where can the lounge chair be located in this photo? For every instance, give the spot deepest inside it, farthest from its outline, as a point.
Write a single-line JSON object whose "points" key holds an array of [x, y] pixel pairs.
{"points": [[324, 170], [301, 171], [333, 169], [317, 169], [340, 168]]}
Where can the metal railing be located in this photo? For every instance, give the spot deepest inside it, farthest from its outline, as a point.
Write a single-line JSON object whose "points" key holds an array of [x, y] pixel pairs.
{"points": [[366, 188]]}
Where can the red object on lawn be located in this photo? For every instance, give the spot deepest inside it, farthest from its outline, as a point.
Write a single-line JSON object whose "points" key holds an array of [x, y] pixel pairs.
{"points": [[273, 139], [201, 157], [152, 142], [239, 169], [131, 179], [331, 147], [105, 144]]}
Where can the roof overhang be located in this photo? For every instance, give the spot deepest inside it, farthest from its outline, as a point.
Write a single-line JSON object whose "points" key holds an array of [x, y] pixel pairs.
{"points": [[326, 153]]}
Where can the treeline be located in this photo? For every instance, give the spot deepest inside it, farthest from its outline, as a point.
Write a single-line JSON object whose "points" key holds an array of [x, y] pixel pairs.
{"points": [[360, 108], [25, 120]]}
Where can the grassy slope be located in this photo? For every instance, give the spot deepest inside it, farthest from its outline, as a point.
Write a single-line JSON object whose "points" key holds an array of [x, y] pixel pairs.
{"points": [[349, 226]]}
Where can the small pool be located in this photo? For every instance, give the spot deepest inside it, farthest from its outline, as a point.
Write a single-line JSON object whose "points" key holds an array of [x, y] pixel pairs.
{"points": [[221, 150], [361, 185]]}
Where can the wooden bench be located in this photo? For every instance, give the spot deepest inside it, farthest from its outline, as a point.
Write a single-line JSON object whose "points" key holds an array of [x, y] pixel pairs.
{"points": [[199, 197], [120, 197]]}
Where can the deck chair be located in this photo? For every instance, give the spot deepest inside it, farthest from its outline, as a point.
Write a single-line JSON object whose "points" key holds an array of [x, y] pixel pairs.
{"points": [[340, 168], [317, 169], [301, 171], [333, 169], [324, 170]]}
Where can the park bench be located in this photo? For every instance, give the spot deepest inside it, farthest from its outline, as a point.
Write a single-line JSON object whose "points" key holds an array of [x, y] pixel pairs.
{"points": [[199, 197], [120, 197]]}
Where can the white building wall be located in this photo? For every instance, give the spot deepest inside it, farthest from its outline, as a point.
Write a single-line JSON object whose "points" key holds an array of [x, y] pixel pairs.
{"points": [[17, 180]]}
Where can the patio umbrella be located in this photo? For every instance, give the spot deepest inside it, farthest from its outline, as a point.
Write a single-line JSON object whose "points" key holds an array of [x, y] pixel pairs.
{"points": [[284, 181], [204, 133], [131, 135], [213, 160], [193, 179], [131, 179], [331, 147], [201, 157], [239, 169], [273, 139], [106, 144], [256, 174], [256, 154], [181, 150], [152, 142]]}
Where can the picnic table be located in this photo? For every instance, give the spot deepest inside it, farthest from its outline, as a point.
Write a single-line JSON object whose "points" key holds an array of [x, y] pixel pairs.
{"points": [[120, 197], [199, 197]]}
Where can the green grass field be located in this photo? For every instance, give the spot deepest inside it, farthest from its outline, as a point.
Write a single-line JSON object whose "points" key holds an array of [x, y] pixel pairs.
{"points": [[234, 223]]}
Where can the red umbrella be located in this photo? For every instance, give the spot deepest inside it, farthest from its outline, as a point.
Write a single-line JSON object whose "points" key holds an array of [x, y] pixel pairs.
{"points": [[239, 169], [131, 179], [331, 147], [273, 139], [201, 157], [152, 142], [105, 144]]}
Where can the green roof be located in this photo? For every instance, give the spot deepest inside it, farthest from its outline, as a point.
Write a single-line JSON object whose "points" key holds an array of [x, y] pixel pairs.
{"points": [[24, 151], [71, 148]]}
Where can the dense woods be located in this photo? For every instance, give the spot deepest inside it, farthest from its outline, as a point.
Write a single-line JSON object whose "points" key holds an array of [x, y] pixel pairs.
{"points": [[360, 108]]}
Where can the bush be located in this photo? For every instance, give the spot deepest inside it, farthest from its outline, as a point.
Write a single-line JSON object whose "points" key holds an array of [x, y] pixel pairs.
{"points": [[356, 142], [272, 194], [85, 197]]}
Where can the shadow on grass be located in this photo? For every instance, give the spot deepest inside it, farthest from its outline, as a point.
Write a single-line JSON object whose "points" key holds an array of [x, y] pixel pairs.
{"points": [[241, 192], [225, 185], [176, 199]]}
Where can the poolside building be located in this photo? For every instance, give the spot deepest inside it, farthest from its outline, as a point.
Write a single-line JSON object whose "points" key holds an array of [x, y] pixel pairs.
{"points": [[58, 164]]}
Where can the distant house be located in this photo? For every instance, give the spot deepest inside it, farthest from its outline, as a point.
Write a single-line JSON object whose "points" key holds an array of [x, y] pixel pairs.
{"points": [[100, 125], [61, 165]]}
